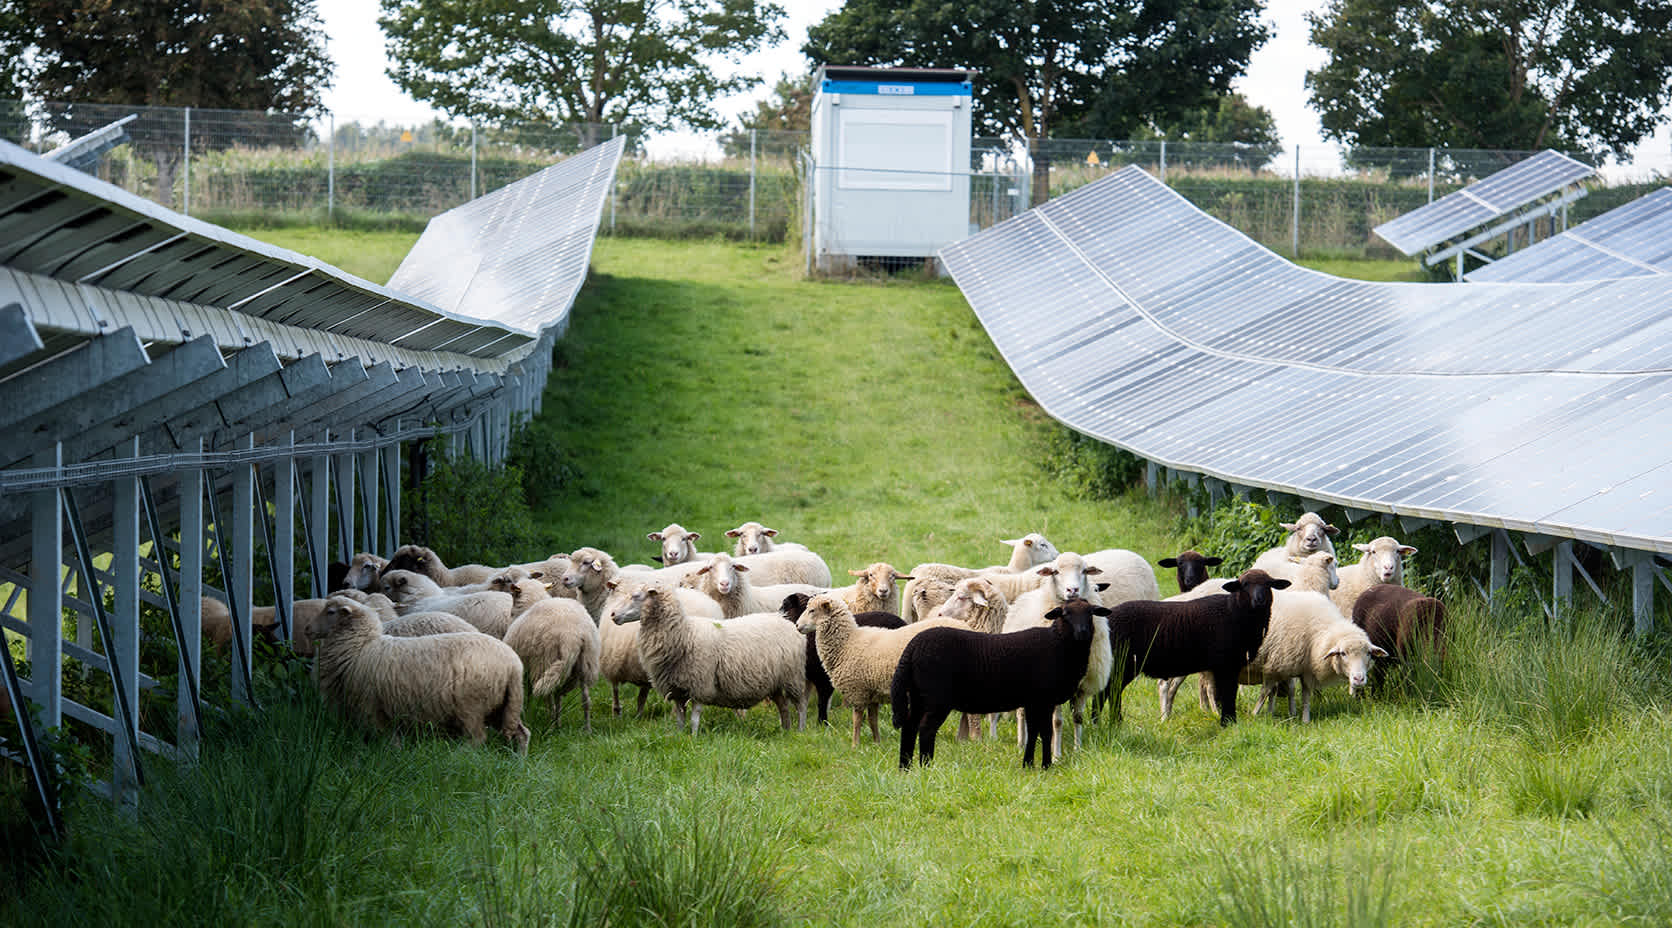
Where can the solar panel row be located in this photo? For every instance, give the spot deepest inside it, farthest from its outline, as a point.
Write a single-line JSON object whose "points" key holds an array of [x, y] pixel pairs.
{"points": [[1489, 198], [1633, 240]]}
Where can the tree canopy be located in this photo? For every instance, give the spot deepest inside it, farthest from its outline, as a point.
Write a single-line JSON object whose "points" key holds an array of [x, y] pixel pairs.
{"points": [[1097, 68], [1496, 74], [641, 63], [785, 112]]}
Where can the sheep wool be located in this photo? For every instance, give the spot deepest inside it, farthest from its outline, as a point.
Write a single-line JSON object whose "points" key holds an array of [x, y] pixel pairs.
{"points": [[1308, 638], [462, 681], [560, 649]]}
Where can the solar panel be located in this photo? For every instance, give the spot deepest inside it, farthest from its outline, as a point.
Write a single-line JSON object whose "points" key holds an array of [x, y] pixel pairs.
{"points": [[519, 254], [1634, 240], [1135, 318], [1489, 198]]}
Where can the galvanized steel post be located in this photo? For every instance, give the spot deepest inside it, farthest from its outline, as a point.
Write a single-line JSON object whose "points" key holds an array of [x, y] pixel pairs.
{"points": [[191, 599], [1294, 225], [241, 585], [284, 535], [122, 649], [46, 597], [186, 167]]}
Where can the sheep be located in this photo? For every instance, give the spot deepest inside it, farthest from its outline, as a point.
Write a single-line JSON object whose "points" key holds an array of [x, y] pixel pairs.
{"points": [[791, 609], [755, 538], [787, 565], [408, 626], [363, 571], [678, 545], [1307, 534], [525, 591], [860, 661], [591, 570], [420, 559], [1192, 567], [488, 610], [923, 595], [1121, 576], [1383, 561], [1218, 635], [560, 648], [954, 669], [977, 602], [618, 635], [462, 680], [874, 591], [727, 582], [550, 572], [1063, 579], [1401, 620], [1308, 638], [216, 625], [1315, 572], [1027, 552], [733, 664]]}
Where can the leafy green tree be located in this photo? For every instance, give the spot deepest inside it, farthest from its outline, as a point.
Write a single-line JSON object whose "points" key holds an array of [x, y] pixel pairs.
{"points": [[1234, 131], [777, 119], [1101, 67], [1493, 74], [644, 63]]}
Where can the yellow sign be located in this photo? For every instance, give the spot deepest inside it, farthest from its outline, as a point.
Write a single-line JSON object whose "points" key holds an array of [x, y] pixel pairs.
{"points": [[1091, 158], [406, 135]]}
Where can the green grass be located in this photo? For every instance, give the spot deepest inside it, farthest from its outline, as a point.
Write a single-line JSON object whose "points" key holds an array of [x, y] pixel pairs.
{"points": [[1528, 780]]}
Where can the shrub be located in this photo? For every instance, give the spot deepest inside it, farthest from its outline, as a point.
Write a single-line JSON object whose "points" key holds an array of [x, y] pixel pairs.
{"points": [[467, 511]]}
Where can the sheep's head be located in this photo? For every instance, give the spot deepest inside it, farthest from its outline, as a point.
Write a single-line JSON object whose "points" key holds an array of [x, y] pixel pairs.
{"points": [[752, 538], [405, 586], [588, 567], [1386, 558], [363, 571], [1309, 533], [972, 597], [1253, 589], [927, 594], [877, 580], [722, 574], [1031, 549], [1318, 571], [338, 613], [1077, 619], [505, 582], [1192, 568], [678, 545], [793, 606], [526, 592], [823, 608], [652, 604], [1070, 574], [1352, 658]]}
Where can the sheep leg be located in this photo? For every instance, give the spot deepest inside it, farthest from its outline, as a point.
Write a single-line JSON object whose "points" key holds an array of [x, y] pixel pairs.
{"points": [[1205, 694], [678, 714], [1021, 728], [586, 708], [1266, 692], [1079, 721], [926, 730], [1305, 702], [858, 718], [1225, 687], [825, 692], [876, 731], [644, 693], [801, 712], [1056, 731], [696, 717], [473, 727], [615, 699], [557, 709], [784, 713], [1165, 689]]}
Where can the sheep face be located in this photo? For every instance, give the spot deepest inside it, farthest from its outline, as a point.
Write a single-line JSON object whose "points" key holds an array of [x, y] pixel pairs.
{"points": [[752, 538], [1352, 660], [1069, 574], [1077, 619], [1320, 563], [879, 577], [587, 567], [1386, 558], [969, 598], [678, 545], [1254, 589], [363, 571], [925, 596], [1192, 567], [1039, 548], [338, 613], [819, 608], [793, 607], [405, 586], [723, 574], [1309, 533]]}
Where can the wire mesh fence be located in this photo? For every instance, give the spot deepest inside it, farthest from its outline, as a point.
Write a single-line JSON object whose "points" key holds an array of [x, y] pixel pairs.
{"points": [[252, 168]]}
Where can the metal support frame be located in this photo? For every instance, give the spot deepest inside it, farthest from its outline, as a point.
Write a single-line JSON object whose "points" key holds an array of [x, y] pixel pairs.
{"points": [[122, 641], [189, 726], [238, 608], [284, 553], [343, 465], [319, 530], [189, 675], [122, 684]]}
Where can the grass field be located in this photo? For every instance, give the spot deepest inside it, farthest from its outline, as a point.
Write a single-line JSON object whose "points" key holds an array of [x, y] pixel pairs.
{"points": [[1529, 782]]}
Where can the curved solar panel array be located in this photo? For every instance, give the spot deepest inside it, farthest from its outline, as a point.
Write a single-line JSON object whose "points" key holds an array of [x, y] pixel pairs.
{"points": [[1137, 319], [1634, 240], [161, 371], [1495, 195]]}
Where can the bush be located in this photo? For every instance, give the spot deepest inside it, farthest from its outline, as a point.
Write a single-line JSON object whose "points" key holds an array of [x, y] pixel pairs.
{"points": [[467, 511], [1094, 468]]}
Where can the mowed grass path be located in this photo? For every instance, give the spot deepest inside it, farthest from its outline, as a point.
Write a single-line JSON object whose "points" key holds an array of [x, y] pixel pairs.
{"points": [[708, 384]]}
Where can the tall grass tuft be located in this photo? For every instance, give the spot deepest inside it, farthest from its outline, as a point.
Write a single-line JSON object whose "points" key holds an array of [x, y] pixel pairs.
{"points": [[1283, 884], [683, 866], [1632, 884], [1562, 783]]}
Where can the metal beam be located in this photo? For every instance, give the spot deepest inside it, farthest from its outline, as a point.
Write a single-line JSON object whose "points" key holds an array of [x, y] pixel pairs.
{"points": [[69, 375], [46, 598], [224, 411], [18, 338]]}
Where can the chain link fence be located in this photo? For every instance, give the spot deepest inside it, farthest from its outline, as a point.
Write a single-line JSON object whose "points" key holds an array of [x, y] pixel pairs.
{"points": [[251, 168]]}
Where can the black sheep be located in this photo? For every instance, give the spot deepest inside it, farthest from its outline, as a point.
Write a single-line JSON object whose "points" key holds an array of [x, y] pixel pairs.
{"points": [[1192, 567], [953, 669], [1215, 635], [792, 607], [1397, 619]]}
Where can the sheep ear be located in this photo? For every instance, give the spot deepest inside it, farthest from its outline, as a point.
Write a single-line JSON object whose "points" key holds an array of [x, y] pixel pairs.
{"points": [[740, 568], [1213, 561], [536, 574], [1288, 526], [979, 599], [1331, 530], [1362, 548], [1232, 586], [901, 576], [770, 532], [1055, 614], [1046, 570], [1406, 550], [733, 533], [612, 584], [855, 573], [1102, 610], [655, 536], [1280, 584], [1091, 570], [1376, 651], [693, 535], [1101, 587], [1167, 562], [1336, 653]]}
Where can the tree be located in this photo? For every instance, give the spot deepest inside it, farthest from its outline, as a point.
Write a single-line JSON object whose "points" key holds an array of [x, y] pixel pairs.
{"points": [[776, 119], [645, 63], [1236, 132], [260, 55], [1495, 74], [1102, 67]]}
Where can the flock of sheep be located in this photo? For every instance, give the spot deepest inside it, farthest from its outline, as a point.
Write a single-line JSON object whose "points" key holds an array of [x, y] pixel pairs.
{"points": [[412, 641]]}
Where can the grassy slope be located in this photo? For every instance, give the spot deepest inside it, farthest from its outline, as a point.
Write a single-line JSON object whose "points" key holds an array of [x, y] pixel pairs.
{"points": [[1446, 812]]}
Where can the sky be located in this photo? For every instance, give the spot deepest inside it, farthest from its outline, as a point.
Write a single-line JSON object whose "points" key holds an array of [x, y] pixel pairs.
{"points": [[363, 92], [1276, 77]]}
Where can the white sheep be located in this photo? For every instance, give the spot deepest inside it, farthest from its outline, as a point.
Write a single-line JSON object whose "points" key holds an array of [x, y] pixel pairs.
{"points": [[727, 582], [407, 626], [488, 610], [859, 660], [550, 572], [591, 570], [216, 625], [874, 591], [1307, 534], [1383, 561], [733, 664], [525, 591], [420, 559], [1316, 572], [363, 571], [787, 565], [560, 649], [678, 545], [618, 635], [931, 579], [1065, 578], [1124, 576], [465, 680], [755, 538], [1308, 638]]}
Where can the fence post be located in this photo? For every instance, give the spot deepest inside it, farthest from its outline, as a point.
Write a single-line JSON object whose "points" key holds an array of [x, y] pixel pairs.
{"points": [[1294, 225], [752, 184], [1430, 175], [186, 167], [472, 161], [1163, 161], [615, 130], [331, 168]]}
